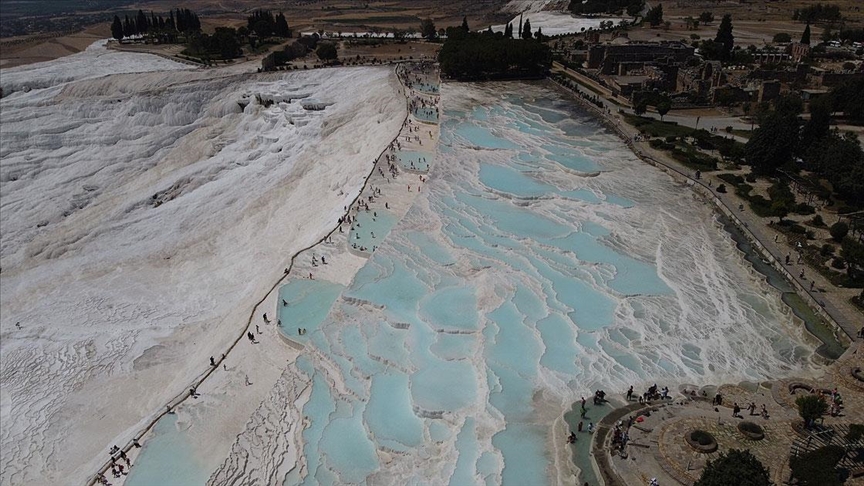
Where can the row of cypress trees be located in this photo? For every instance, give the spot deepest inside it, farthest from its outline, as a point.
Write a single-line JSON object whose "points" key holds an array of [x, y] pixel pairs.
{"points": [[182, 21]]}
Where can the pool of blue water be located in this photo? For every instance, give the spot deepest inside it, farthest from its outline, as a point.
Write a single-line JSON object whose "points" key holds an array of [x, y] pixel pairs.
{"points": [[416, 161], [427, 115], [370, 229], [531, 271], [430, 88], [167, 458], [304, 304]]}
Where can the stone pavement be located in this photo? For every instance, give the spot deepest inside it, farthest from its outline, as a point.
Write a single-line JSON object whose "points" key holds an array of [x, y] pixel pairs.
{"points": [[657, 448]]}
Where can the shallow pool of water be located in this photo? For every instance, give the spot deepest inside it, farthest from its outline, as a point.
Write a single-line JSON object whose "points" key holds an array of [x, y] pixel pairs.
{"points": [[535, 268]]}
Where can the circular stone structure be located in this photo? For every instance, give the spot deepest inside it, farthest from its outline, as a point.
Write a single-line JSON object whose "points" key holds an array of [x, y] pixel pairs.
{"points": [[701, 441], [751, 431]]}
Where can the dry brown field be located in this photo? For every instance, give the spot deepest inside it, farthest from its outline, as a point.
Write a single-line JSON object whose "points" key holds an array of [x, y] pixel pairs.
{"points": [[755, 21], [330, 15]]}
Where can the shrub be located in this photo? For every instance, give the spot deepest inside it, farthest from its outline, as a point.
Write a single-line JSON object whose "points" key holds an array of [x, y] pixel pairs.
{"points": [[326, 51], [797, 229], [810, 408], [839, 231], [818, 467], [701, 437], [721, 188], [671, 139], [655, 143], [729, 129], [838, 263], [782, 37], [804, 208], [856, 431], [826, 250], [732, 178], [731, 467], [817, 220]]}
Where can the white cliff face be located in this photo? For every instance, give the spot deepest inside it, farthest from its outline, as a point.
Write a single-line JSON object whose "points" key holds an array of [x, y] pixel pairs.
{"points": [[532, 6], [142, 217]]}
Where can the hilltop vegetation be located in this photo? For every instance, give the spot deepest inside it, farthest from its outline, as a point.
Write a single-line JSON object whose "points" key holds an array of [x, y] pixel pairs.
{"points": [[487, 55]]}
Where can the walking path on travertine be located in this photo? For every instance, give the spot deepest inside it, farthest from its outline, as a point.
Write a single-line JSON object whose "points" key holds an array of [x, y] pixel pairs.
{"points": [[263, 361]]}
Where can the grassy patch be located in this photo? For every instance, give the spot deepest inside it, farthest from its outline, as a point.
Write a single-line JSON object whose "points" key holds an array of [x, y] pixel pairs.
{"points": [[656, 128], [742, 133], [374, 20]]}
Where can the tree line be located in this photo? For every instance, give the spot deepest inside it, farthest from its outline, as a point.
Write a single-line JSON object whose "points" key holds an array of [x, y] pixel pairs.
{"points": [[182, 21], [782, 137], [489, 55], [224, 43], [265, 24], [816, 13]]}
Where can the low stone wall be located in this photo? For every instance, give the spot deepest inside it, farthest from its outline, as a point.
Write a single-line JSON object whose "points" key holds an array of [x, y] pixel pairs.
{"points": [[602, 461]]}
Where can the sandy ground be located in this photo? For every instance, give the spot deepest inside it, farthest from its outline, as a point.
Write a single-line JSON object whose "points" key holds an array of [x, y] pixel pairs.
{"points": [[18, 51], [392, 51]]}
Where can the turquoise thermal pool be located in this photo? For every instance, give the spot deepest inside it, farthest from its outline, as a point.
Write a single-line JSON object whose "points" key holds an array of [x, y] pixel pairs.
{"points": [[369, 230], [542, 262], [428, 115], [415, 161], [304, 304]]}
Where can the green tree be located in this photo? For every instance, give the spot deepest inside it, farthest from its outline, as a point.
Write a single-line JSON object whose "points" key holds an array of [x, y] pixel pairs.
{"points": [[224, 42], [117, 28], [281, 26], [737, 467], [839, 230], [779, 209], [817, 468], [706, 17], [427, 29], [781, 38], [853, 253], [826, 34], [839, 159], [526, 30], [465, 24], [326, 51], [819, 124], [773, 144], [508, 30], [662, 108], [478, 56], [141, 22], [640, 108], [634, 7], [724, 37], [810, 408], [655, 15], [805, 37]]}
